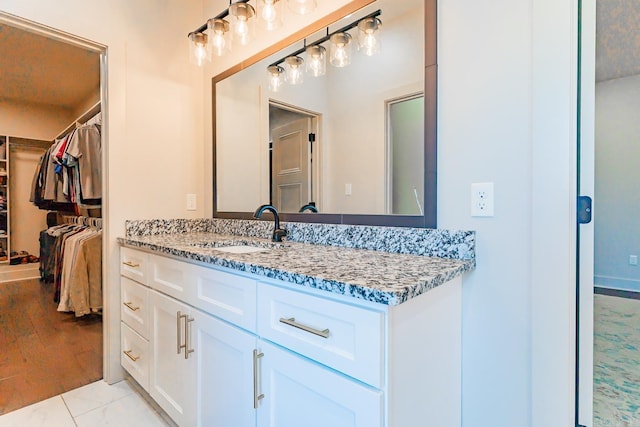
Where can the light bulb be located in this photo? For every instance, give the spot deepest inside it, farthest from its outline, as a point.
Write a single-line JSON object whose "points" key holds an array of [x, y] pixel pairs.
{"points": [[316, 60], [199, 50], [219, 29], [302, 7], [274, 74], [242, 25], [340, 49], [369, 35], [293, 70], [270, 14]]}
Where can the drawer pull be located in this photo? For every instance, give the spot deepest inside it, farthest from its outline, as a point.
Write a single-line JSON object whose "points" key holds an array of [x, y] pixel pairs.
{"points": [[292, 322], [128, 354], [130, 306], [131, 264], [256, 378]]}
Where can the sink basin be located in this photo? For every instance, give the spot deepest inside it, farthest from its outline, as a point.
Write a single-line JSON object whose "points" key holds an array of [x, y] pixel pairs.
{"points": [[239, 246], [240, 249]]}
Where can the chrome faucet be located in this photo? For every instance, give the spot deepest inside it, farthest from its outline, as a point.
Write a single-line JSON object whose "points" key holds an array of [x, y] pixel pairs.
{"points": [[310, 207], [278, 233]]}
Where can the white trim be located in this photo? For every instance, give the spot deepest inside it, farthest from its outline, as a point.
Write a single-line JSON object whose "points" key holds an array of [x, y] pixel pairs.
{"points": [[553, 214]]}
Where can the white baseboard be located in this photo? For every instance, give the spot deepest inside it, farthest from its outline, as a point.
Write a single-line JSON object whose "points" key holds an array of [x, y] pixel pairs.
{"points": [[618, 283], [12, 273]]}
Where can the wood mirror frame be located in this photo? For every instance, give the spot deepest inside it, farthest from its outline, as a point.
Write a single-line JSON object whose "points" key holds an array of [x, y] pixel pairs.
{"points": [[428, 220]]}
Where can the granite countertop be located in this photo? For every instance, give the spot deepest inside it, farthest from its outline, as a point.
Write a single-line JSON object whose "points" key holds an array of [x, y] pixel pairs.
{"points": [[377, 276]]}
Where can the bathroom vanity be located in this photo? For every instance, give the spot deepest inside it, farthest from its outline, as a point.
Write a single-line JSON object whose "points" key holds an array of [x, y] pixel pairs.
{"points": [[235, 330]]}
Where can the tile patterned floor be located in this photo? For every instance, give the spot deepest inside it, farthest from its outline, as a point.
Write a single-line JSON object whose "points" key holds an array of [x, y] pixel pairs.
{"points": [[616, 362], [94, 405]]}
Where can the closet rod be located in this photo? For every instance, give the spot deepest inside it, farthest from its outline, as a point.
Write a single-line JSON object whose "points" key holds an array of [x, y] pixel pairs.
{"points": [[95, 109]]}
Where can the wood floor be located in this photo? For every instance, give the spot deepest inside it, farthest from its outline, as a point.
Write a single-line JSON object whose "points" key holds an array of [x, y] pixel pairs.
{"points": [[43, 352]]}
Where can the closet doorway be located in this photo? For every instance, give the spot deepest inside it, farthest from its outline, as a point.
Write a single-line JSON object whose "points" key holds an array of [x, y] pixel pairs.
{"points": [[50, 82]]}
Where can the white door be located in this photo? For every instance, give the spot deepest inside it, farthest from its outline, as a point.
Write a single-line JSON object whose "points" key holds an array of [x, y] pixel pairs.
{"points": [[172, 376], [291, 166], [224, 380], [586, 231], [298, 392]]}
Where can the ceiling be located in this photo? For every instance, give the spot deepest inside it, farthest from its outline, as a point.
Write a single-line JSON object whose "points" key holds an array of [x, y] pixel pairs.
{"points": [[38, 70], [617, 39]]}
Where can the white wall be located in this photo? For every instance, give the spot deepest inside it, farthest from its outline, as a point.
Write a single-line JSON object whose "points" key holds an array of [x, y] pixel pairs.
{"points": [[33, 121], [155, 120], [616, 204]]}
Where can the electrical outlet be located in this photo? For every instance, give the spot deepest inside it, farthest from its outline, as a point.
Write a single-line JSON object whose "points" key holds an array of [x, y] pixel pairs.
{"points": [[482, 199], [191, 202], [347, 189], [633, 260]]}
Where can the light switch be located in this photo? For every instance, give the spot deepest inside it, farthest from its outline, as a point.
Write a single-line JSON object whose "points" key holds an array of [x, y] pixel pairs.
{"points": [[191, 202]]}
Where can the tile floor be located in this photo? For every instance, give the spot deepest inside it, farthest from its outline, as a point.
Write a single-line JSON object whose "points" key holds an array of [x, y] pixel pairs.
{"points": [[93, 405], [616, 370]]}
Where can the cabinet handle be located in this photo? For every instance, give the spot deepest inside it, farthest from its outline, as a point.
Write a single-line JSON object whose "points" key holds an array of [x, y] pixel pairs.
{"points": [[256, 374], [292, 322], [187, 336], [130, 356], [130, 306], [131, 264], [179, 332]]}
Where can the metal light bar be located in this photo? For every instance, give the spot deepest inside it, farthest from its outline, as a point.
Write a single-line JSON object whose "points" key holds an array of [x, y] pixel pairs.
{"points": [[221, 15], [328, 36]]}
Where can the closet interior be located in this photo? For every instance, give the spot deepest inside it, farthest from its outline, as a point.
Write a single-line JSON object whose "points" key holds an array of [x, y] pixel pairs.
{"points": [[50, 216]]}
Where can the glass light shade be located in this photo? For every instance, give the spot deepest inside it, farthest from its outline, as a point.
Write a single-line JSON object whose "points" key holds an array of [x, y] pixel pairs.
{"points": [[275, 76], [270, 14], [340, 49], [219, 40], [302, 7], [199, 49], [369, 36], [316, 60], [293, 70], [242, 26]]}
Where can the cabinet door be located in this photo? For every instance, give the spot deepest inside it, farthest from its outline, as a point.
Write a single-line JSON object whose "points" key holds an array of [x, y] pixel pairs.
{"points": [[172, 376], [299, 392], [224, 381]]}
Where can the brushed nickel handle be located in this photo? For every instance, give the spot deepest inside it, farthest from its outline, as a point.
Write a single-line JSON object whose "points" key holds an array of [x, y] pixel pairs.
{"points": [[292, 322], [187, 336], [180, 346], [256, 375], [130, 356], [131, 264], [130, 306]]}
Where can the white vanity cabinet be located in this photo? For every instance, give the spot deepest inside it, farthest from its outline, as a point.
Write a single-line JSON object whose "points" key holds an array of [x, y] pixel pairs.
{"points": [[228, 349]]}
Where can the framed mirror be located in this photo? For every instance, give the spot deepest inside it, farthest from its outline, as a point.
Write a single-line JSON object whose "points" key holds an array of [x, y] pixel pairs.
{"points": [[357, 143]]}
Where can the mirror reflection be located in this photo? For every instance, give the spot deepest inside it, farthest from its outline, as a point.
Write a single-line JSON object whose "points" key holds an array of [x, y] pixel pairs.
{"points": [[345, 139]]}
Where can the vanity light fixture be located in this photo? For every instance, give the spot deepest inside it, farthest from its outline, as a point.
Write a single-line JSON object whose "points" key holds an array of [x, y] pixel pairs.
{"points": [[369, 35], [239, 22], [302, 7], [275, 74], [270, 14], [199, 48], [240, 14], [316, 60], [340, 49], [293, 70]]}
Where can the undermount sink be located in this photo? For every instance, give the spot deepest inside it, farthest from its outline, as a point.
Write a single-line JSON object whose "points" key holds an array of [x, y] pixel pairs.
{"points": [[241, 249], [237, 246]]}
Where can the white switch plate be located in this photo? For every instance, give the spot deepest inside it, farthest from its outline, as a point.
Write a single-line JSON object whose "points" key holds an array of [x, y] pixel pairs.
{"points": [[191, 202], [347, 189], [633, 259], [482, 199]]}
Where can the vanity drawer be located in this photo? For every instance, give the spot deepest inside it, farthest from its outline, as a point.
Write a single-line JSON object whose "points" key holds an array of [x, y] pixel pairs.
{"points": [[134, 356], [344, 337], [134, 264], [134, 308], [169, 276]]}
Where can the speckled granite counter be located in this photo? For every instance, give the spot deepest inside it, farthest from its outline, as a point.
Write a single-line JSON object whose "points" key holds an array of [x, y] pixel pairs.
{"points": [[406, 262]]}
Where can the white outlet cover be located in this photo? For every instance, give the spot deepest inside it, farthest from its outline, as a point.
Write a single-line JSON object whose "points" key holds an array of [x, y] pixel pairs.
{"points": [[482, 199]]}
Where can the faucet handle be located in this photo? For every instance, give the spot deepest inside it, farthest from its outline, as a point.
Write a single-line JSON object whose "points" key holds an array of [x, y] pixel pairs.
{"points": [[278, 234]]}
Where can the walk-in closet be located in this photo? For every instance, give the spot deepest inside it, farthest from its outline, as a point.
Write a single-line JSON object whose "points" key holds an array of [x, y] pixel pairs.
{"points": [[50, 216]]}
